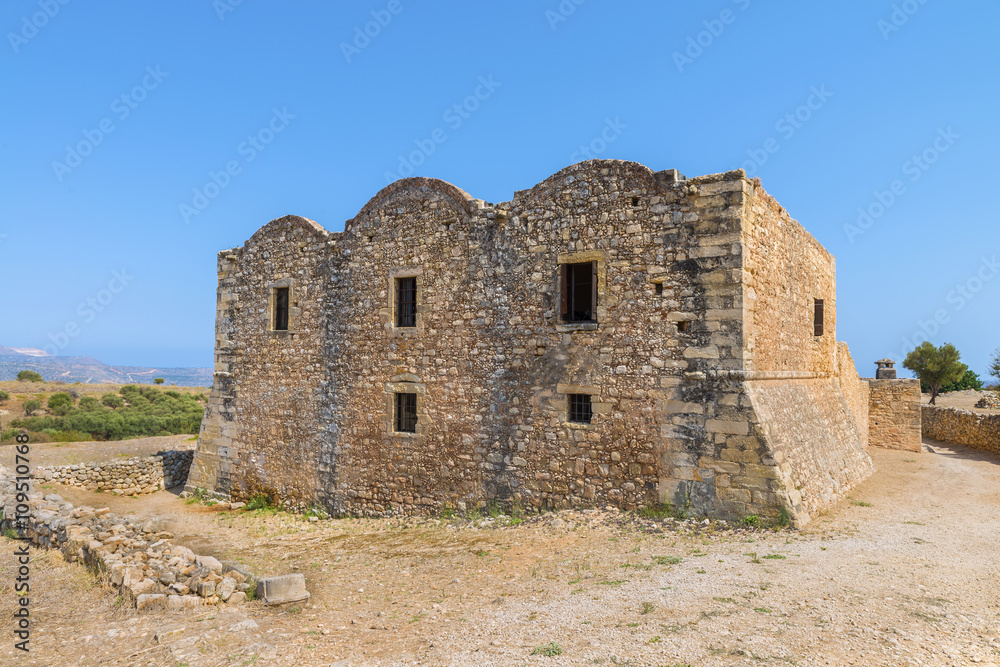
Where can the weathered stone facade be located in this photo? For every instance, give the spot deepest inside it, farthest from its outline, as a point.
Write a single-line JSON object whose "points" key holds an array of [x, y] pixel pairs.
{"points": [[894, 414], [709, 360], [962, 427]]}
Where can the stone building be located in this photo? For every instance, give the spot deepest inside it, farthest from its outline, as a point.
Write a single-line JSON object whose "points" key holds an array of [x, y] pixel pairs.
{"points": [[612, 335]]}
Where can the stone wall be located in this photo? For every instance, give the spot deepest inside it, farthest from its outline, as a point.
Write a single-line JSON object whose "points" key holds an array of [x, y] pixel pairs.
{"points": [[162, 470], [855, 391], [894, 414], [703, 284], [962, 427], [136, 556]]}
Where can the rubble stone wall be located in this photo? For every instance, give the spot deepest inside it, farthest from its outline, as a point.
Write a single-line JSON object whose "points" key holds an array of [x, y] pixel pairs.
{"points": [[682, 300], [136, 475], [894, 416], [962, 427]]}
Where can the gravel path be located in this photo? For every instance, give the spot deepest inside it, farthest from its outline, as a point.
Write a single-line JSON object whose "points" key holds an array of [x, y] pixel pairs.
{"points": [[903, 573]]}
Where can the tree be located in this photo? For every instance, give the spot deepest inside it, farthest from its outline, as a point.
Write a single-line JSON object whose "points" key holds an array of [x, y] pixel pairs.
{"points": [[995, 369], [159, 381], [112, 400], [936, 366], [970, 380], [29, 376], [31, 406]]}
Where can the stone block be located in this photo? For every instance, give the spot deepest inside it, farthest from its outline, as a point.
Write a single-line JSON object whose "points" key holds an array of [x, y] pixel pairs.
{"points": [[282, 589]]}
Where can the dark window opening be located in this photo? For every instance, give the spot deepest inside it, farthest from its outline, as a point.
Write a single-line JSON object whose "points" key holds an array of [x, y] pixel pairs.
{"points": [[579, 408], [406, 302], [682, 326], [635, 201], [406, 413], [281, 309], [579, 291], [818, 318], [659, 289]]}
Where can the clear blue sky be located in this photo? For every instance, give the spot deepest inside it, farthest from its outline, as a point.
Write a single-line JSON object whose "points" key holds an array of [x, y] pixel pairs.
{"points": [[182, 86]]}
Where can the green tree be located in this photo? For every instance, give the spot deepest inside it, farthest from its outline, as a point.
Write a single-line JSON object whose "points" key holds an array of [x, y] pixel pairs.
{"points": [[112, 400], [158, 380], [29, 376], [936, 366], [31, 406], [970, 380], [995, 369]]}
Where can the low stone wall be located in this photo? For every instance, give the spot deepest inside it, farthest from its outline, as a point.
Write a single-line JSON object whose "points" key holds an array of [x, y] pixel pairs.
{"points": [[894, 414], [162, 470], [962, 427], [137, 557]]}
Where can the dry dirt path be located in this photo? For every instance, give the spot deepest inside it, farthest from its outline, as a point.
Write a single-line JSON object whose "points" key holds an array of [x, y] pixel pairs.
{"points": [[904, 573]]}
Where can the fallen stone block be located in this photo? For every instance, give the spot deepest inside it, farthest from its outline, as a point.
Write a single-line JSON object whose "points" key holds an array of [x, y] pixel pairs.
{"points": [[150, 601], [279, 590], [183, 602], [209, 562]]}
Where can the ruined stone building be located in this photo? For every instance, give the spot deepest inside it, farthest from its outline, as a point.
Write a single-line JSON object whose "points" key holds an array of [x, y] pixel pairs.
{"points": [[612, 335]]}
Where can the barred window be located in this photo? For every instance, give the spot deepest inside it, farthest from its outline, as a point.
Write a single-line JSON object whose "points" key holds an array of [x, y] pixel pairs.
{"points": [[280, 309], [406, 302], [579, 408], [406, 412]]}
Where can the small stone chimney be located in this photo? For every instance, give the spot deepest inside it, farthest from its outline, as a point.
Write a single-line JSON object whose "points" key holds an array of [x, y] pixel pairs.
{"points": [[886, 369]]}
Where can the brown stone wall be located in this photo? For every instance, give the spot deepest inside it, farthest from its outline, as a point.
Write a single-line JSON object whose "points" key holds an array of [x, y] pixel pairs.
{"points": [[786, 269], [894, 414], [701, 339], [962, 427], [854, 389]]}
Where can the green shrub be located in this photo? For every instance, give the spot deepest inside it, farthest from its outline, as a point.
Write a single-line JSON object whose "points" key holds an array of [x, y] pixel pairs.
{"points": [[31, 406], [112, 400], [4, 396], [149, 411], [261, 501], [60, 404], [159, 380], [29, 376], [549, 650], [69, 436], [89, 403]]}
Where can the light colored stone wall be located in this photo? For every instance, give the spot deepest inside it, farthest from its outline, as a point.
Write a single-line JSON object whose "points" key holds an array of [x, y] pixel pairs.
{"points": [[308, 416], [962, 427], [854, 389], [894, 414], [163, 470]]}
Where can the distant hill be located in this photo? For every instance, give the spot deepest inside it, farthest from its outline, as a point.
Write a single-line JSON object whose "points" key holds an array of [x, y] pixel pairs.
{"points": [[88, 369]]}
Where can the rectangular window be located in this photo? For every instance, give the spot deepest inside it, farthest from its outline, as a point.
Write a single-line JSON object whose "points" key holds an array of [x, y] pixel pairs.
{"points": [[406, 302], [579, 408], [579, 292], [818, 317], [406, 413], [281, 309]]}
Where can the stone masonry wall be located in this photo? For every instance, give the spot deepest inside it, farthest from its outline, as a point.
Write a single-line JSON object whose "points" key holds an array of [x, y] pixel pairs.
{"points": [[962, 427], [136, 475], [681, 297], [854, 389], [894, 414]]}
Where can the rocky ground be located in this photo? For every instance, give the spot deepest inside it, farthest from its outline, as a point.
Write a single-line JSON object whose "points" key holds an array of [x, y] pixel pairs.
{"points": [[905, 572], [964, 400]]}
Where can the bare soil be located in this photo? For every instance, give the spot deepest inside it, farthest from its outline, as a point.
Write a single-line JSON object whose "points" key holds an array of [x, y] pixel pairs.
{"points": [[963, 400], [905, 572]]}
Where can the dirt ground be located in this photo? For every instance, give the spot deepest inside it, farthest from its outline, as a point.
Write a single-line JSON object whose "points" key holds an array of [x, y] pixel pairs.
{"points": [[903, 573], [964, 400]]}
